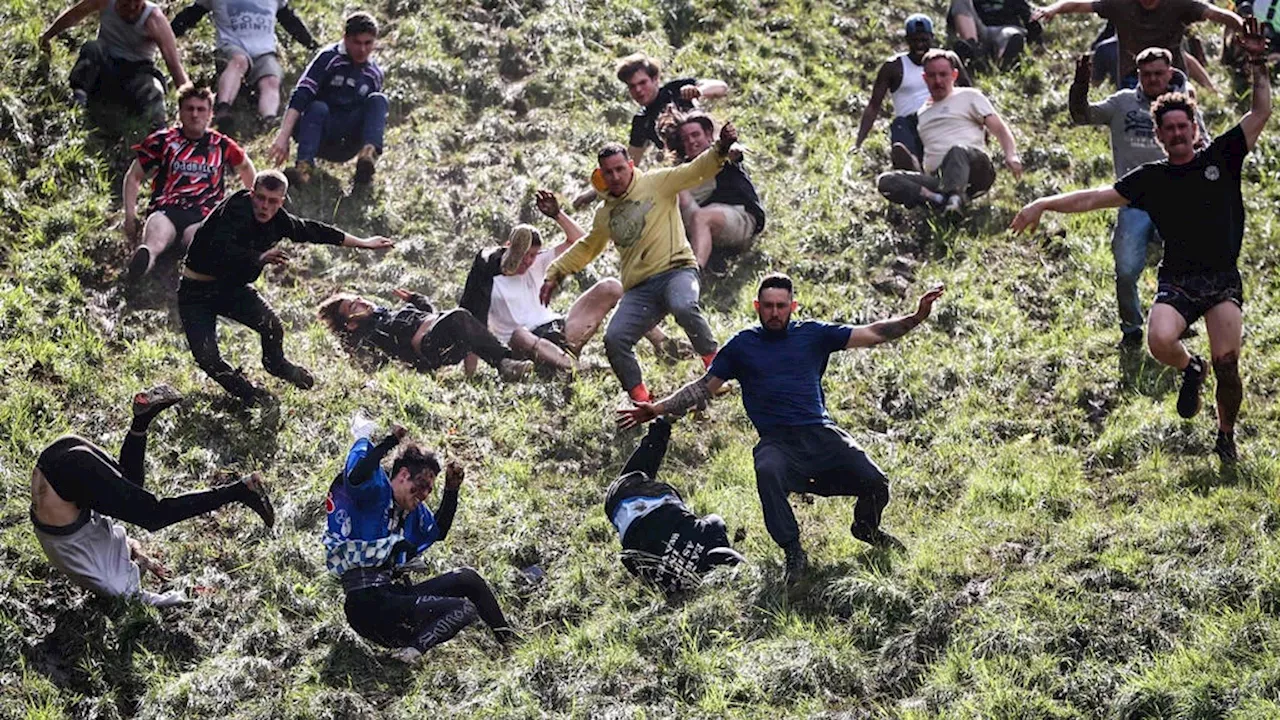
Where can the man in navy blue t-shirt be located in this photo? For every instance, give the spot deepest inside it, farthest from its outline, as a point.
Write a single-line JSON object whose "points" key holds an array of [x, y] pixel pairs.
{"points": [[780, 364]]}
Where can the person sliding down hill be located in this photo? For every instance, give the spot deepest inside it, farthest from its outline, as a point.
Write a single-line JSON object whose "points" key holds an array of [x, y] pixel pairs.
{"points": [[659, 272], [377, 523], [77, 489], [236, 242], [417, 334], [780, 364], [662, 541], [1193, 197]]}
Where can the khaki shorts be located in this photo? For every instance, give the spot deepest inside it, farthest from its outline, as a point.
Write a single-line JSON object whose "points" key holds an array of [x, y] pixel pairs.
{"points": [[265, 65], [739, 227]]}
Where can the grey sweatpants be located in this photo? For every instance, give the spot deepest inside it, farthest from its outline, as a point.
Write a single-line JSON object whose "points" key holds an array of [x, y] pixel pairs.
{"points": [[965, 171], [137, 85], [674, 292]]}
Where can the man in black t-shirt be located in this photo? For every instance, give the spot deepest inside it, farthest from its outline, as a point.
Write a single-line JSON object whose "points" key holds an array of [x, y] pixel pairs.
{"points": [[1193, 197], [662, 541], [643, 77]]}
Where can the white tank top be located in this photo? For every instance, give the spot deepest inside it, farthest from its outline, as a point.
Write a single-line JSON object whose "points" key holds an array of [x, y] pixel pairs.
{"points": [[912, 93], [123, 40]]}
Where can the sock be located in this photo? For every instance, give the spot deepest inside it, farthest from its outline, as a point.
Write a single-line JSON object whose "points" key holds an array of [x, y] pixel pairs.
{"points": [[706, 359], [640, 393]]}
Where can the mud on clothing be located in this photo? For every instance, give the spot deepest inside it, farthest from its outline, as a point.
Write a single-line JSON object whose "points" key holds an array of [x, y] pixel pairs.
{"points": [[190, 174], [1194, 295], [1196, 207], [644, 128], [662, 541]]}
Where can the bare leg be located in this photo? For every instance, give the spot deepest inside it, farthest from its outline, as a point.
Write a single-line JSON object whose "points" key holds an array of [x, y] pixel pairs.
{"points": [[1164, 328], [231, 77], [587, 313], [706, 223], [188, 235], [966, 28], [542, 351], [1224, 323], [469, 364], [157, 235], [268, 96]]}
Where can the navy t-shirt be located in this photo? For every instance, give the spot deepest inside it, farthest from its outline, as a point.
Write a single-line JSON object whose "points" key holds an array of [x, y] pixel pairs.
{"points": [[781, 373]]}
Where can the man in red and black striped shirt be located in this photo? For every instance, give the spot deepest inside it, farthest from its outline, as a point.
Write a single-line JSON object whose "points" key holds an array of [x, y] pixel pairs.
{"points": [[187, 163]]}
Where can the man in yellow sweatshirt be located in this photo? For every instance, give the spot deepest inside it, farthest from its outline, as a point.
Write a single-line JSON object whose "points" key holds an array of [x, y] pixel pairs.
{"points": [[641, 214]]}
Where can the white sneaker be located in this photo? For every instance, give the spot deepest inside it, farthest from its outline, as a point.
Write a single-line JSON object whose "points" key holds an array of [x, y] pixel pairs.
{"points": [[408, 655]]}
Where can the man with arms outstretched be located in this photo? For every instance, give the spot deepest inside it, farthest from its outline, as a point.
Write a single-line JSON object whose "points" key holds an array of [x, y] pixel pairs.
{"points": [[780, 364], [188, 163], [77, 489], [1193, 197]]}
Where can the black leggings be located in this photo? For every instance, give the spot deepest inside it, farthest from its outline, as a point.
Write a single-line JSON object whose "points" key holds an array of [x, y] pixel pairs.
{"points": [[424, 615], [83, 473], [199, 306], [457, 334]]}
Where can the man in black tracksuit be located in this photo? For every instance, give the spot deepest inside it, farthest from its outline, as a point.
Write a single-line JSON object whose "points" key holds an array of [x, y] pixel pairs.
{"points": [[236, 241]]}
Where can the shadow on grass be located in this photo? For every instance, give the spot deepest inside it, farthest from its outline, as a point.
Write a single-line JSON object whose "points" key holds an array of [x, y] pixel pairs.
{"points": [[351, 665], [234, 433], [1144, 375]]}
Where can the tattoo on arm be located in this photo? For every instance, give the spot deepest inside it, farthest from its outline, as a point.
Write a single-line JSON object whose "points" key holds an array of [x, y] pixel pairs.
{"points": [[895, 328], [687, 397]]}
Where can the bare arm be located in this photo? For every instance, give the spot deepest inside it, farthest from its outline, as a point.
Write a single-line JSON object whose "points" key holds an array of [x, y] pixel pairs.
{"points": [[246, 172], [1062, 7], [1072, 202], [696, 393], [129, 192], [159, 29], [1256, 119], [279, 150], [894, 328], [548, 205], [1223, 17], [878, 91], [712, 89], [69, 17], [636, 153], [997, 127], [1197, 72]]}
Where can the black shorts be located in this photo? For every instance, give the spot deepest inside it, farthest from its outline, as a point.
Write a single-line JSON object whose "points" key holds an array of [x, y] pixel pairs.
{"points": [[1193, 295], [182, 218], [553, 331]]}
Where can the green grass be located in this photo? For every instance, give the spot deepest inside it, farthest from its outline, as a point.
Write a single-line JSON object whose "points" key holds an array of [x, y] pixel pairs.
{"points": [[1074, 550]]}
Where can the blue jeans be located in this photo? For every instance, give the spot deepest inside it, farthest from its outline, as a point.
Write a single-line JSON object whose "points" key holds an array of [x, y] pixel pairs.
{"points": [[338, 133], [643, 306], [1133, 231], [903, 130]]}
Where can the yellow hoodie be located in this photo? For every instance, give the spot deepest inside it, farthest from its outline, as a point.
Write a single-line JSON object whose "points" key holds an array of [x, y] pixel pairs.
{"points": [[644, 223]]}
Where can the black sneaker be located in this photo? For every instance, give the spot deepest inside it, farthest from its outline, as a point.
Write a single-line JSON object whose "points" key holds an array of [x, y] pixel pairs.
{"points": [[150, 402], [901, 158], [1012, 52], [295, 375], [796, 563], [1189, 395], [875, 537], [1130, 341], [257, 499], [138, 265], [1225, 448]]}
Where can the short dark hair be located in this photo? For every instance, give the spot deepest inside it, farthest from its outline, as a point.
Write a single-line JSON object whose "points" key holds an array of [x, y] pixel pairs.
{"points": [[189, 90], [359, 23], [1152, 54], [635, 62], [1169, 102], [940, 54], [775, 280], [609, 150], [417, 459], [272, 180]]}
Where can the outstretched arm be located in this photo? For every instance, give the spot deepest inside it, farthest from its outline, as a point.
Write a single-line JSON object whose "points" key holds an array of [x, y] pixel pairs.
{"points": [[129, 192], [1073, 202], [293, 24], [706, 89], [187, 18], [69, 17], [1255, 46], [548, 205], [878, 91], [894, 328], [1223, 17], [1062, 7], [160, 31], [1004, 135], [690, 396], [366, 465]]}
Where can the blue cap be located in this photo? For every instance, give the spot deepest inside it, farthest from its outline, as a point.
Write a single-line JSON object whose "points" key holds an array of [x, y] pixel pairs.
{"points": [[919, 23]]}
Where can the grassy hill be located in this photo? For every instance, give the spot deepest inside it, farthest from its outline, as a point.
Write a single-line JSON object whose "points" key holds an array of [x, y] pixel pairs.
{"points": [[1075, 551]]}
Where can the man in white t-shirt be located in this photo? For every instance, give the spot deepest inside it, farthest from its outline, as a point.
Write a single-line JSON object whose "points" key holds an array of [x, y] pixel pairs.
{"points": [[503, 285], [953, 126]]}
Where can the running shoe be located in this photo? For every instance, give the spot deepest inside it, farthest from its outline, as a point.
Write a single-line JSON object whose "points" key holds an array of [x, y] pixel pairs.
{"points": [[366, 164], [512, 370], [150, 402], [796, 563], [257, 499], [1012, 52], [138, 265], [1225, 448], [295, 375], [1189, 395], [875, 537], [902, 158]]}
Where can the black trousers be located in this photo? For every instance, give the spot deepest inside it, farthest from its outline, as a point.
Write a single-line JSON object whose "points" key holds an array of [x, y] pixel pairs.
{"points": [[455, 335], [83, 473], [200, 304], [423, 615], [138, 85]]}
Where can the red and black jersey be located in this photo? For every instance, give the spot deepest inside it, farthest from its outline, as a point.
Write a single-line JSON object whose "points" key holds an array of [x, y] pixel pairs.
{"points": [[189, 173]]}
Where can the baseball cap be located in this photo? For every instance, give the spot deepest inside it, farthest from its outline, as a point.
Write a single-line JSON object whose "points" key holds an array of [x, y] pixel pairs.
{"points": [[919, 23]]}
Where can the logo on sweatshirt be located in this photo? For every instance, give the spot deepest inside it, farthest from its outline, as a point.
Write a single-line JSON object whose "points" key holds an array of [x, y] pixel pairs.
{"points": [[626, 222], [1212, 173]]}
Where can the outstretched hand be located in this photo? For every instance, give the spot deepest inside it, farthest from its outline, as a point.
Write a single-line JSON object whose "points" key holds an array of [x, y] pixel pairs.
{"points": [[146, 562], [728, 136], [548, 291], [642, 413], [1251, 40], [399, 431], [279, 150], [454, 474], [547, 204], [1042, 15], [274, 256], [690, 92], [1027, 218], [376, 242], [925, 306]]}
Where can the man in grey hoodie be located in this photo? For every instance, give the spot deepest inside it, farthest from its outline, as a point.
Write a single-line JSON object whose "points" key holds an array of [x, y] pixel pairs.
{"points": [[1133, 143]]}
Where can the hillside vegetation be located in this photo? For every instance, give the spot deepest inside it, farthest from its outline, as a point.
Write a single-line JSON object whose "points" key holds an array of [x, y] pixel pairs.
{"points": [[1074, 549]]}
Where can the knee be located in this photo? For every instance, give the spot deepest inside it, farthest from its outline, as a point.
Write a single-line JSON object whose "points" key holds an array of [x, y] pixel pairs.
{"points": [[378, 101], [884, 183], [467, 577], [237, 65], [714, 521], [317, 110], [609, 290], [616, 340], [1226, 366], [269, 83]]}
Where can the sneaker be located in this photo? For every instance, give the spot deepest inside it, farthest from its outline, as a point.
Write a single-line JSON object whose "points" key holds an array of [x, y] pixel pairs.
{"points": [[513, 370], [1012, 52], [408, 655], [149, 402], [509, 638], [139, 264], [257, 499], [1225, 448], [295, 375], [223, 119], [79, 98], [366, 163], [1130, 341], [518, 244], [300, 173], [875, 537], [955, 203], [1189, 395], [796, 563], [902, 159]]}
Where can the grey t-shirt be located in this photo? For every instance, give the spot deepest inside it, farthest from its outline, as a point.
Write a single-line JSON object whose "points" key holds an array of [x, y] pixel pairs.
{"points": [[1128, 114], [96, 557], [124, 40], [246, 24]]}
